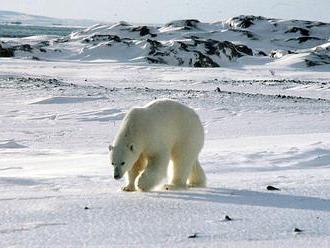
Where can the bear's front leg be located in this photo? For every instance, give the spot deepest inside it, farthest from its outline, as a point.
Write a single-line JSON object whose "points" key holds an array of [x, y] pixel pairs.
{"points": [[155, 171], [130, 178], [133, 173]]}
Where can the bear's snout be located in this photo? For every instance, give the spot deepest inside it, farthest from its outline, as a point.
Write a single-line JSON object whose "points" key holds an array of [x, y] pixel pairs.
{"points": [[116, 174]]}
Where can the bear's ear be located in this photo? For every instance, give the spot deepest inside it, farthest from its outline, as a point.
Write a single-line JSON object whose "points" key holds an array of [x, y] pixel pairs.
{"points": [[110, 147], [131, 147]]}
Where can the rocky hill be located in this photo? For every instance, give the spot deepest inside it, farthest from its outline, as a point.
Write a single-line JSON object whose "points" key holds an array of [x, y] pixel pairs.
{"points": [[186, 43]]}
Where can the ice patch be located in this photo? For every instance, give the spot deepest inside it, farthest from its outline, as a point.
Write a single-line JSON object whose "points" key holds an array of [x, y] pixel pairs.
{"points": [[104, 115], [67, 99], [48, 117], [11, 168], [18, 181], [27, 227], [11, 145]]}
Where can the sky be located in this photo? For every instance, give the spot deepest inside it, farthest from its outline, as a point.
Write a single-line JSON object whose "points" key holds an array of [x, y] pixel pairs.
{"points": [[161, 11]]}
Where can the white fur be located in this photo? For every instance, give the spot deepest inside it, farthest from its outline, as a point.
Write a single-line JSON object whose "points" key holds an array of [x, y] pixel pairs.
{"points": [[151, 136]]}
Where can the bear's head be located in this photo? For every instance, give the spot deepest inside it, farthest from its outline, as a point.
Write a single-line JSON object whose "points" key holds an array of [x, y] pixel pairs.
{"points": [[122, 157], [126, 148]]}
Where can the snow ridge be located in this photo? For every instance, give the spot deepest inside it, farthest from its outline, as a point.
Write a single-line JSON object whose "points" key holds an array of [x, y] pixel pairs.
{"points": [[186, 43]]}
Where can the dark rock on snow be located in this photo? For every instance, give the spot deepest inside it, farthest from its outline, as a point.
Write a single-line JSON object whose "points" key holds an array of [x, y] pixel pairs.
{"points": [[6, 52], [272, 188]]}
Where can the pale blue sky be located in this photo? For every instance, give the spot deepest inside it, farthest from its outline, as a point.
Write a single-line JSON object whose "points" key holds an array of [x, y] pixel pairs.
{"points": [[159, 11]]}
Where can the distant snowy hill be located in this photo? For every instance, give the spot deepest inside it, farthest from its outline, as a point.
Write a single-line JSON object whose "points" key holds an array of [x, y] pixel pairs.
{"points": [[190, 43], [11, 17]]}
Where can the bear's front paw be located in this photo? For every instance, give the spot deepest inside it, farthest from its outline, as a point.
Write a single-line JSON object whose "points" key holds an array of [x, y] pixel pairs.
{"points": [[128, 188], [144, 185]]}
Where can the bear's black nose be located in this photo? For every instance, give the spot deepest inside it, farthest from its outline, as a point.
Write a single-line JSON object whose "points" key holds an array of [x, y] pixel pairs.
{"points": [[116, 173]]}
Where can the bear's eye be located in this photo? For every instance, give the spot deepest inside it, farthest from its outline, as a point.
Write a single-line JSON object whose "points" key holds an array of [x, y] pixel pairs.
{"points": [[113, 163], [122, 163]]}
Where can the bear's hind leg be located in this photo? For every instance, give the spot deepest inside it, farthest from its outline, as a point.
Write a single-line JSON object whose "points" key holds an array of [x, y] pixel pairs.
{"points": [[134, 173], [182, 167], [155, 171], [197, 176]]}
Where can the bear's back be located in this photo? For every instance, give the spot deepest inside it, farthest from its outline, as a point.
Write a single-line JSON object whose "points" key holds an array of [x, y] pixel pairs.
{"points": [[176, 118], [170, 109]]}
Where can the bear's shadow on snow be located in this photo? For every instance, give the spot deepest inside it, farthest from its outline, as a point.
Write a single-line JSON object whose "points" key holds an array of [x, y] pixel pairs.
{"points": [[250, 198]]}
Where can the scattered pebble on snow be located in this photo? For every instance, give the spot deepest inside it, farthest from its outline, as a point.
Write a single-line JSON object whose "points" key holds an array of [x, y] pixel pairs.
{"points": [[272, 188], [192, 236], [227, 218], [297, 230]]}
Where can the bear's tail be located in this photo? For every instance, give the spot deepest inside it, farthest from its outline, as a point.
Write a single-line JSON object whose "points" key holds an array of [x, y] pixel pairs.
{"points": [[197, 176]]}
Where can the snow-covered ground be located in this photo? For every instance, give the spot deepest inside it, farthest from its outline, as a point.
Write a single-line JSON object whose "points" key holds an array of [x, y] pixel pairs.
{"points": [[265, 126]]}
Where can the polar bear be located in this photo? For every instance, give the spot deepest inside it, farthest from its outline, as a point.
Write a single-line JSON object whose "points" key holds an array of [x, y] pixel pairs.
{"points": [[149, 137]]}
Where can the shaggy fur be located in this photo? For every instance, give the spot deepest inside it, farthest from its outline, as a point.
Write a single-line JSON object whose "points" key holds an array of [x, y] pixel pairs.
{"points": [[151, 136]]}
